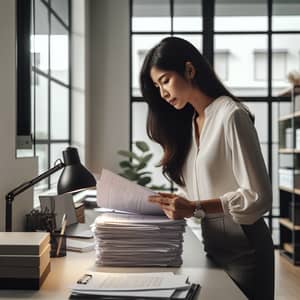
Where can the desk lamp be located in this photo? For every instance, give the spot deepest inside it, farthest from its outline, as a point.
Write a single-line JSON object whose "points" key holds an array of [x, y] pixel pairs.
{"points": [[74, 177]]}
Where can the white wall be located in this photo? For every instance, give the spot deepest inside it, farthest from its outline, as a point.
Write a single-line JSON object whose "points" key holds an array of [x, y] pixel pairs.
{"points": [[80, 99], [109, 82], [12, 171]]}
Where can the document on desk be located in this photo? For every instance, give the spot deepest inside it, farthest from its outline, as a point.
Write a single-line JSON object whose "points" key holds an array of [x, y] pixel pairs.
{"points": [[162, 285], [100, 281], [116, 192]]}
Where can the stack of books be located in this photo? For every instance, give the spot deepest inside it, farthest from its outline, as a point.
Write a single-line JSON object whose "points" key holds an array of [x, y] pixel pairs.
{"points": [[138, 240], [24, 259]]}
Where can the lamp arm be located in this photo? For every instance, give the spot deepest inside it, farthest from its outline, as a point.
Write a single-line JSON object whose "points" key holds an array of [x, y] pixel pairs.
{"points": [[21, 188]]}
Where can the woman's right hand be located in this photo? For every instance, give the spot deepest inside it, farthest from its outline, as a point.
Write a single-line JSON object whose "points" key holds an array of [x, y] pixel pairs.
{"points": [[174, 206]]}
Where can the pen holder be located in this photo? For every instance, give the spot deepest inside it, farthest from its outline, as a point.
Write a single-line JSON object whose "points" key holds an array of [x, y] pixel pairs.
{"points": [[58, 245], [40, 221]]}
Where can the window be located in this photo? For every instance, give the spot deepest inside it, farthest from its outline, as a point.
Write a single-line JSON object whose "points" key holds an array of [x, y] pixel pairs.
{"points": [[279, 58], [221, 64], [50, 88], [36, 58], [236, 36], [151, 21], [141, 54]]}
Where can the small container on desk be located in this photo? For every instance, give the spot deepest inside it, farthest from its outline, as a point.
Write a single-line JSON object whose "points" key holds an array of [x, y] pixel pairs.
{"points": [[40, 221], [79, 209], [58, 244]]}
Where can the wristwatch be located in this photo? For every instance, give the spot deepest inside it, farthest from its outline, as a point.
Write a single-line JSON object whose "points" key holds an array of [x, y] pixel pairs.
{"points": [[198, 213]]}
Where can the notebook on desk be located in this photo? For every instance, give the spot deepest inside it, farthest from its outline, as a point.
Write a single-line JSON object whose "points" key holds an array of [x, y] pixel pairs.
{"points": [[64, 204], [79, 230]]}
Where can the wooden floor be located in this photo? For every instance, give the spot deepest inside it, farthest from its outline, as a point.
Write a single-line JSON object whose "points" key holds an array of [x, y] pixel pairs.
{"points": [[287, 279]]}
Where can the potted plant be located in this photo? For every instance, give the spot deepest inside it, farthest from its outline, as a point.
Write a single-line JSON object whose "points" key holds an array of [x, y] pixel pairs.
{"points": [[134, 167]]}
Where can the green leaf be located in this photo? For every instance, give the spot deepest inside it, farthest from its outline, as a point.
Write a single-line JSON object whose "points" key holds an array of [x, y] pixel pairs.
{"points": [[131, 175], [147, 158], [142, 165], [129, 154], [142, 146], [143, 181], [125, 164], [159, 187], [144, 173]]}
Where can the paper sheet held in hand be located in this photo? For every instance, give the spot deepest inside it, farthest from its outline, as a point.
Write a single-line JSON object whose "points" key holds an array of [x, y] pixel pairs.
{"points": [[116, 192]]}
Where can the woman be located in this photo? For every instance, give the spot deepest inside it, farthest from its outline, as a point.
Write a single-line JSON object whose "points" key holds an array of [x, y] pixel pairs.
{"points": [[212, 152]]}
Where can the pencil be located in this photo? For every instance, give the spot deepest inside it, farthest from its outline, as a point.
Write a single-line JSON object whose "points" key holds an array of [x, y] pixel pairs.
{"points": [[62, 232]]}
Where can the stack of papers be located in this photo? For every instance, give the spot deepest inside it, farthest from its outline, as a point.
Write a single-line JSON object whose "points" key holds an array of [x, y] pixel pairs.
{"points": [[138, 240], [134, 285]]}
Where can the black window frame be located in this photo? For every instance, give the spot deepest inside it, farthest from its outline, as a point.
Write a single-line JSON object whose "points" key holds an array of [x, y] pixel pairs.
{"points": [[51, 13]]}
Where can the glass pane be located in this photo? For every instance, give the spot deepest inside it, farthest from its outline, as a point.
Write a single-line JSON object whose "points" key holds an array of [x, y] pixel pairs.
{"points": [[285, 59], [24, 152], [39, 41], [221, 64], [139, 116], [187, 15], [43, 157], [151, 15], [275, 117], [241, 74], [61, 7], [279, 109], [285, 108], [59, 112], [264, 151], [275, 236], [260, 65], [32, 97], [241, 15], [279, 58], [195, 39], [276, 211], [275, 175], [41, 107], [141, 44], [286, 15], [260, 111], [59, 51], [56, 153]]}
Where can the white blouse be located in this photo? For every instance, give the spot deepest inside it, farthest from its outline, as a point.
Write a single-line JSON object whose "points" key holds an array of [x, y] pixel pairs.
{"points": [[228, 164]]}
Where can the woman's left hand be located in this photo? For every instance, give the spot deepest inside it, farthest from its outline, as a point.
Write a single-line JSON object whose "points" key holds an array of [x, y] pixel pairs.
{"points": [[174, 207]]}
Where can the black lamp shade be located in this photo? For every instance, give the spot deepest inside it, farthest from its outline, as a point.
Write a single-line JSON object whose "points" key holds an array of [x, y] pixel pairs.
{"points": [[74, 176]]}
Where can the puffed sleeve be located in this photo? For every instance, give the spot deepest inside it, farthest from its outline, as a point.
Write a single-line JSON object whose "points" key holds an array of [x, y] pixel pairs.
{"points": [[181, 192], [253, 198]]}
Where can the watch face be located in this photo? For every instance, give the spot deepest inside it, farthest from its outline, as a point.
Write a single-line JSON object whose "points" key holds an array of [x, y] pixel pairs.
{"points": [[199, 213]]}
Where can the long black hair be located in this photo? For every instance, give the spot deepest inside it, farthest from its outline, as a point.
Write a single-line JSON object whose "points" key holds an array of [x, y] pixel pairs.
{"points": [[169, 127]]}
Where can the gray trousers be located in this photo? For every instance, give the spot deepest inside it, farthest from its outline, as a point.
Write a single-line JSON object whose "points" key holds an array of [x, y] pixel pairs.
{"points": [[246, 253]]}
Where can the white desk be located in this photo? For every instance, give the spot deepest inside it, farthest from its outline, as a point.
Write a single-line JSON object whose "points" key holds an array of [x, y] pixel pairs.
{"points": [[215, 283]]}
